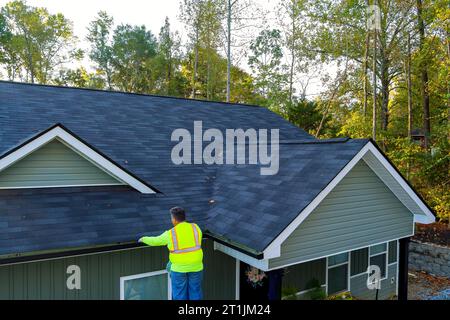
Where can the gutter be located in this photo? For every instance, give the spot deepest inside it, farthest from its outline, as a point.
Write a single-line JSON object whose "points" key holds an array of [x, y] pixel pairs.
{"points": [[20, 258]]}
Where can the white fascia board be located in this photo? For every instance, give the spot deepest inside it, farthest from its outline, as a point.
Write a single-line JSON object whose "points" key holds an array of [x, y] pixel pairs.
{"points": [[80, 147], [274, 249], [260, 264]]}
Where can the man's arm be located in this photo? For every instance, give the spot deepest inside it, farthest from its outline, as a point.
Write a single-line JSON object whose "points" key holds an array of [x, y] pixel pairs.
{"points": [[162, 240]]}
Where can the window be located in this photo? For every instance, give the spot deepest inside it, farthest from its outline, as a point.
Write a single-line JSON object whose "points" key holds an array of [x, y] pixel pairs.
{"points": [[337, 273], [378, 257], [392, 252], [359, 261], [146, 286]]}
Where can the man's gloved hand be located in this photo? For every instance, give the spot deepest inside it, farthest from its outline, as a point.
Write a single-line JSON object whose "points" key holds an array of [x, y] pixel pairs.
{"points": [[141, 240]]}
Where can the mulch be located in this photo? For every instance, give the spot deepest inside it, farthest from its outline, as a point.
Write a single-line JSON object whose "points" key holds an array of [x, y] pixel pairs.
{"points": [[423, 286], [437, 233]]}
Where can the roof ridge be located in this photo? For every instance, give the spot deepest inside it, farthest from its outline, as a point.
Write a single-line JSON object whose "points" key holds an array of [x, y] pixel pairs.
{"points": [[127, 93]]}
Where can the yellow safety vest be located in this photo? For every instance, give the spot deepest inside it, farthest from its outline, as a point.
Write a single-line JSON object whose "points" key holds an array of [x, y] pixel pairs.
{"points": [[185, 247]]}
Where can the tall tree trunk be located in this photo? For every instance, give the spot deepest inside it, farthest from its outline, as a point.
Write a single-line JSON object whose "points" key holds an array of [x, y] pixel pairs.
{"points": [[374, 81], [384, 92], [291, 71], [229, 51], [365, 68], [424, 76], [194, 74], [408, 82]]}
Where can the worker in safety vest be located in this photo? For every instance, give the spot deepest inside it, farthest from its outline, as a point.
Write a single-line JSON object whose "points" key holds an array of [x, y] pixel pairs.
{"points": [[184, 242]]}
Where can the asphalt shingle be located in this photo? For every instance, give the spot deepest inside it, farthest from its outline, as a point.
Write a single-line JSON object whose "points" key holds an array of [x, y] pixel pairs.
{"points": [[135, 131]]}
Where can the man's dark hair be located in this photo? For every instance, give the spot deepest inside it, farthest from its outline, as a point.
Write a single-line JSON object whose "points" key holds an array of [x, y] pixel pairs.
{"points": [[178, 213]]}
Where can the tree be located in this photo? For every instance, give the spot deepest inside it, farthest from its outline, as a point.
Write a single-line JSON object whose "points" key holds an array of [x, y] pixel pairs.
{"points": [[80, 78], [168, 60], [133, 50], [99, 36], [41, 41], [265, 62], [295, 26], [423, 73], [203, 19]]}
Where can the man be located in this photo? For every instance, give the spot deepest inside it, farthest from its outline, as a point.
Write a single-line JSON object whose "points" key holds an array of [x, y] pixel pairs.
{"points": [[184, 242]]}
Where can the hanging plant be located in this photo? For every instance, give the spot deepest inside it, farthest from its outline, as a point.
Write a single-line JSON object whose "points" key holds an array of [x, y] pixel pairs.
{"points": [[255, 276]]}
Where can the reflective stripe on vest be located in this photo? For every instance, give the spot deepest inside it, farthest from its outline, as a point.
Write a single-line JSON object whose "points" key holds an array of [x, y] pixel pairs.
{"points": [[176, 248]]}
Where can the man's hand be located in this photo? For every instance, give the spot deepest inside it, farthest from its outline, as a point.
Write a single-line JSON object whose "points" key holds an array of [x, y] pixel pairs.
{"points": [[141, 240]]}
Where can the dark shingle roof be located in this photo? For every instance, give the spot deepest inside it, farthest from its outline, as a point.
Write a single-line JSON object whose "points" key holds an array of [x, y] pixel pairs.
{"points": [[135, 131]]}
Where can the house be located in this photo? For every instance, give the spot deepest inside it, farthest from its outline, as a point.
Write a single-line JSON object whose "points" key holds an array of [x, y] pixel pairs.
{"points": [[84, 173]]}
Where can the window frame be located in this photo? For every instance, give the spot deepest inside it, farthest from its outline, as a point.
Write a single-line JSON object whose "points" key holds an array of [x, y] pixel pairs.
{"points": [[145, 275], [328, 267], [385, 253]]}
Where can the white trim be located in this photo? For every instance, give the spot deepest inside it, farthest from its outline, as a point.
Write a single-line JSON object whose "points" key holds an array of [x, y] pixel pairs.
{"points": [[385, 252], [238, 280], [145, 275], [328, 267], [260, 264], [328, 255], [81, 148], [274, 248]]}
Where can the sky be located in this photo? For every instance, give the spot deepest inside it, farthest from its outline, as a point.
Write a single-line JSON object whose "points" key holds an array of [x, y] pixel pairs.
{"points": [[150, 13]]}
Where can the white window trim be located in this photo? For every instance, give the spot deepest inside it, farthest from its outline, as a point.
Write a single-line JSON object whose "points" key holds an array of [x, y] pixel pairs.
{"points": [[386, 260], [274, 248], [78, 146], [145, 275], [328, 267]]}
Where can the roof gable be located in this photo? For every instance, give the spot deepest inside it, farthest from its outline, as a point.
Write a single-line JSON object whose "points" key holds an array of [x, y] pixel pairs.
{"points": [[63, 135], [54, 165]]}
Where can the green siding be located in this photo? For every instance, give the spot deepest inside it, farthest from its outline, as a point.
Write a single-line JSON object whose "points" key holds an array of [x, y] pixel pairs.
{"points": [[360, 211], [358, 286], [299, 276], [54, 164], [100, 274]]}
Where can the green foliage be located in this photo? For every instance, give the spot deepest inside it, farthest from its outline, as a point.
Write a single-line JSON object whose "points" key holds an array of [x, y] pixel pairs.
{"points": [[37, 43], [316, 292], [265, 62], [99, 36], [341, 296], [304, 114], [289, 293]]}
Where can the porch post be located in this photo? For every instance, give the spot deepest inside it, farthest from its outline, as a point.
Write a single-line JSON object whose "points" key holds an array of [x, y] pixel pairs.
{"points": [[275, 281], [403, 269]]}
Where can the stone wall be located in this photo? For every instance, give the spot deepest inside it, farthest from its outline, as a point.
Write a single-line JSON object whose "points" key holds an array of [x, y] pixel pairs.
{"points": [[431, 258]]}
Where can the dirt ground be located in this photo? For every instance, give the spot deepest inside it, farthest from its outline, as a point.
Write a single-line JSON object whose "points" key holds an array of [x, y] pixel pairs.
{"points": [[423, 286]]}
